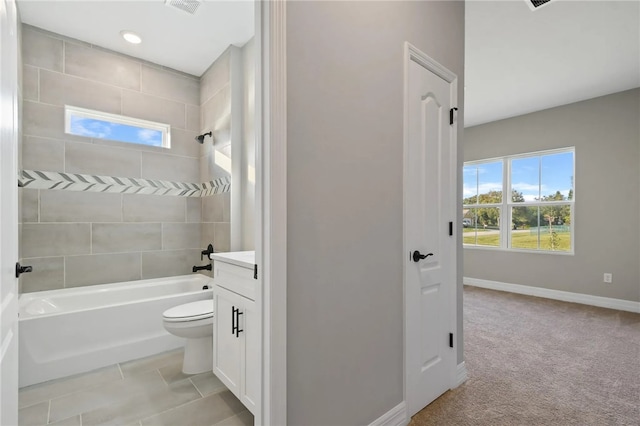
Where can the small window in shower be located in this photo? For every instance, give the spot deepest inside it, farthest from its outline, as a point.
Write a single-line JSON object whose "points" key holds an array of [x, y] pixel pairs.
{"points": [[102, 125]]}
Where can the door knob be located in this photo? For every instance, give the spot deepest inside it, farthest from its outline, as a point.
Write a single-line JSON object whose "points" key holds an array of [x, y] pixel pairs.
{"points": [[22, 269], [417, 256]]}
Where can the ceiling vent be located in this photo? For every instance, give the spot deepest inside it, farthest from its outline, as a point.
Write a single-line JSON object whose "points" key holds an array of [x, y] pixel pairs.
{"points": [[189, 6], [536, 4]]}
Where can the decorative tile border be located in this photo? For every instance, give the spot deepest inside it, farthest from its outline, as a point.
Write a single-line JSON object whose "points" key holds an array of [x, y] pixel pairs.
{"points": [[36, 179]]}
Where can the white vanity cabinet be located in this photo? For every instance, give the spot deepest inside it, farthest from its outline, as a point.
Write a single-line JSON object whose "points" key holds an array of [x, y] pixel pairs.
{"points": [[236, 338]]}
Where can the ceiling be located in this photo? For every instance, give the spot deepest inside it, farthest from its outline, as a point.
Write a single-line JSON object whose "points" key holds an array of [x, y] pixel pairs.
{"points": [[519, 61], [171, 37]]}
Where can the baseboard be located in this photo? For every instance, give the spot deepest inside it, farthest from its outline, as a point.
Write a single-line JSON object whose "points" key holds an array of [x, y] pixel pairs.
{"points": [[565, 296], [397, 416], [461, 374]]}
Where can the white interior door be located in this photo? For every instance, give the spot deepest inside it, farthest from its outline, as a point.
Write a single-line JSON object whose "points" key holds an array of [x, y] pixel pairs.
{"points": [[430, 250], [8, 214]]}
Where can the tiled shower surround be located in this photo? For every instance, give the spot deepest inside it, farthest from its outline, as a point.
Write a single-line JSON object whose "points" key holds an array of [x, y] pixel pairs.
{"points": [[78, 238]]}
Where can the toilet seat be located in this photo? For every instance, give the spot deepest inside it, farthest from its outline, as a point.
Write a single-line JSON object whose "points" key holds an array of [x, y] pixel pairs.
{"points": [[202, 309]]}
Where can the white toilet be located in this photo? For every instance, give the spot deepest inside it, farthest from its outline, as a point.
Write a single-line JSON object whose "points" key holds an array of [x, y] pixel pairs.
{"points": [[193, 321]]}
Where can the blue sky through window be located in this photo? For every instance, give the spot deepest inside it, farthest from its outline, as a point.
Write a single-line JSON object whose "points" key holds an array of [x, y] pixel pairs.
{"points": [[537, 177], [101, 129], [557, 173], [532, 176], [482, 178]]}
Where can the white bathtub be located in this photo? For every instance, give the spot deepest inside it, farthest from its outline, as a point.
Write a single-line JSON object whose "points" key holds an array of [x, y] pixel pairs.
{"points": [[70, 331]]}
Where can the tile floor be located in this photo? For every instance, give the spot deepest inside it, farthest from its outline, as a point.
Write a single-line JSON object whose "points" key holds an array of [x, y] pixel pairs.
{"points": [[143, 392]]}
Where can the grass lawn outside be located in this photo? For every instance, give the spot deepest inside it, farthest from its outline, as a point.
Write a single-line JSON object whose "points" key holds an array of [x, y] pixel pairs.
{"points": [[523, 240]]}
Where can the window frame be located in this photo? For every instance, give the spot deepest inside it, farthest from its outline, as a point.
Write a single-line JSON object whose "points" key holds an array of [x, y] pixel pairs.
{"points": [[506, 207], [73, 111]]}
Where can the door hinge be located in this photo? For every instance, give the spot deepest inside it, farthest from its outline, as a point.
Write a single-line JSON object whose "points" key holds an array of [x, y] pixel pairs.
{"points": [[255, 271], [451, 114], [450, 228], [450, 340]]}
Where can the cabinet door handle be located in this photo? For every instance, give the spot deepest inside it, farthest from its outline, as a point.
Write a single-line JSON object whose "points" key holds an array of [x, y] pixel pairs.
{"points": [[238, 329], [233, 320]]}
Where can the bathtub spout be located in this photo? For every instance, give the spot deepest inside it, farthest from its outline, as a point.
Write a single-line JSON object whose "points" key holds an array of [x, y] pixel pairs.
{"points": [[201, 268]]}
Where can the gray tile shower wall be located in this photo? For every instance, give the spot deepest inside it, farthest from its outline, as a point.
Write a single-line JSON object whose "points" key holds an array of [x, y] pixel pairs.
{"points": [[77, 238], [215, 159]]}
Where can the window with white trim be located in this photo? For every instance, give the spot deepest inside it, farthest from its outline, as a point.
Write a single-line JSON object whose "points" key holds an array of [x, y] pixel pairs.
{"points": [[537, 214], [102, 125]]}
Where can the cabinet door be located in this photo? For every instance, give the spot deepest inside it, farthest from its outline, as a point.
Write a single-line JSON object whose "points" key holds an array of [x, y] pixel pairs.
{"points": [[226, 346], [250, 372]]}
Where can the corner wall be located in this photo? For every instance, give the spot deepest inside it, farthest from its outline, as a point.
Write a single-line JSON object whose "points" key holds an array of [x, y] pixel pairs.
{"points": [[227, 98], [248, 166], [215, 152], [606, 135], [344, 193]]}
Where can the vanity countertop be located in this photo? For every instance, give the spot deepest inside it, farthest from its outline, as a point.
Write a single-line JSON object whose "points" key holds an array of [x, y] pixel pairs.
{"points": [[245, 259]]}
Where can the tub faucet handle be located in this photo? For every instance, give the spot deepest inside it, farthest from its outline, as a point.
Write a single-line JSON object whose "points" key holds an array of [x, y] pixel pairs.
{"points": [[206, 252]]}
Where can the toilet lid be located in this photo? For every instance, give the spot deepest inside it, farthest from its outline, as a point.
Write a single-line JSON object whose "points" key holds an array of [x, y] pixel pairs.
{"points": [[190, 311]]}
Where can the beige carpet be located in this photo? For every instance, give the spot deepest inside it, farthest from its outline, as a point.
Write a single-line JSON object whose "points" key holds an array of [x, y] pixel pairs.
{"points": [[534, 361]]}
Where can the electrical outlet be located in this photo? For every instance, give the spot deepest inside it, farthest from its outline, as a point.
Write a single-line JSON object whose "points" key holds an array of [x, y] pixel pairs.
{"points": [[608, 278]]}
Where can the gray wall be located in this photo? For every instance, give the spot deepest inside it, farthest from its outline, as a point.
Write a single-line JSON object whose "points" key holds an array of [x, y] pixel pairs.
{"points": [[606, 134], [215, 107], [227, 108], [344, 231], [20, 102], [82, 238], [248, 165]]}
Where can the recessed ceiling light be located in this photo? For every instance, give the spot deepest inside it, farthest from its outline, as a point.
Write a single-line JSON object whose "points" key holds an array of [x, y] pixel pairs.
{"points": [[131, 37]]}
